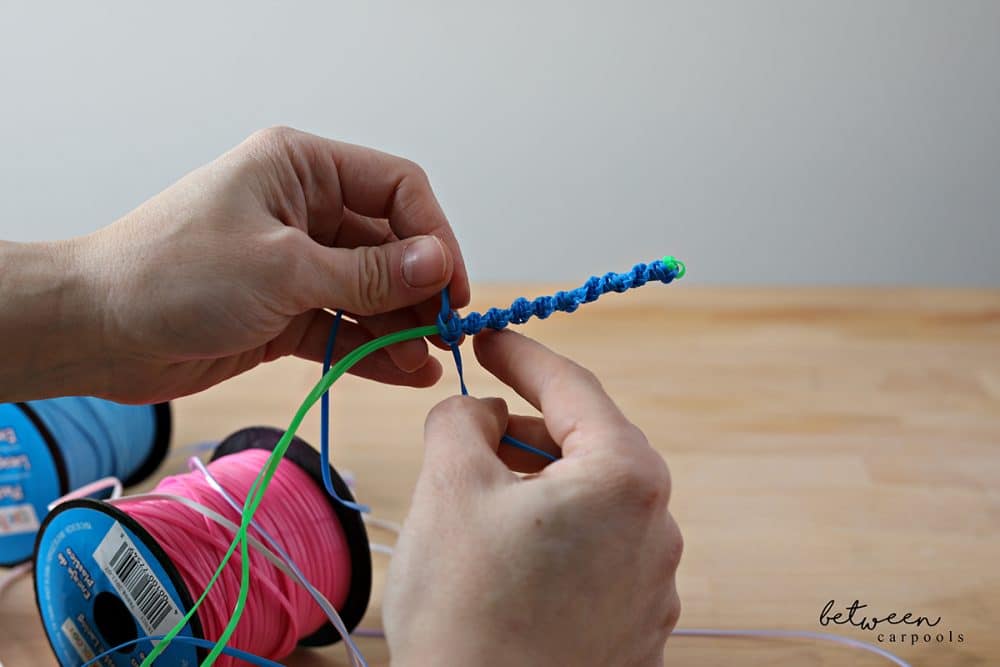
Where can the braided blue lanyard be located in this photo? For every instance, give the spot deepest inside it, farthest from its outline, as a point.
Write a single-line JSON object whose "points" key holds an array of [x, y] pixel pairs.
{"points": [[451, 326]]}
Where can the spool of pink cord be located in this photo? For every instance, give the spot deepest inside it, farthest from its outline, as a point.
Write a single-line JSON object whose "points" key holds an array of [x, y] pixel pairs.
{"points": [[109, 574]]}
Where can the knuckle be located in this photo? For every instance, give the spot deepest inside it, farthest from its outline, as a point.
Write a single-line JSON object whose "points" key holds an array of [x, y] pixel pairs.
{"points": [[632, 433], [569, 372], [651, 489], [584, 374], [674, 545], [655, 475], [268, 250], [281, 246], [622, 476], [642, 482], [373, 282], [645, 487], [414, 171], [277, 259], [673, 614], [285, 256], [445, 412], [272, 136]]}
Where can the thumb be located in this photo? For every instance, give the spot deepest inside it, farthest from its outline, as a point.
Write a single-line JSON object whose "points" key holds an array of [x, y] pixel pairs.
{"points": [[461, 437], [377, 279]]}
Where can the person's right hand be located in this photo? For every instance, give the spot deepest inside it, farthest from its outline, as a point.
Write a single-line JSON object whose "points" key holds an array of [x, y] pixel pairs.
{"points": [[573, 565]]}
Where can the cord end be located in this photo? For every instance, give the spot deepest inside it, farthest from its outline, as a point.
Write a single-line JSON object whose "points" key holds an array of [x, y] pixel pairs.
{"points": [[675, 265]]}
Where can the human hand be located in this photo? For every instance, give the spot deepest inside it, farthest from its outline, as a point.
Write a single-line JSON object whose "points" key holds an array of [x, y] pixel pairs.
{"points": [[232, 265], [573, 565]]}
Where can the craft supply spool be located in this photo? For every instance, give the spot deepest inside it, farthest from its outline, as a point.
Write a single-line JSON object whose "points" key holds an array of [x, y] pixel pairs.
{"points": [[83, 612], [51, 447]]}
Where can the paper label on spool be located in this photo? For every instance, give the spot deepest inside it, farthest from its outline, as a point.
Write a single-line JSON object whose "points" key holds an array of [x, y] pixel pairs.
{"points": [[29, 481], [99, 585], [133, 578], [76, 640], [16, 519]]}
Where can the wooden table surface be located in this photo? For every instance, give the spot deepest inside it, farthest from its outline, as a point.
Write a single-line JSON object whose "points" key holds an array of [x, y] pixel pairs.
{"points": [[825, 444]]}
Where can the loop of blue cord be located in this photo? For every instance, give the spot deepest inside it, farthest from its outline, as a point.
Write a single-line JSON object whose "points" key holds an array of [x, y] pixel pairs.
{"points": [[324, 424]]}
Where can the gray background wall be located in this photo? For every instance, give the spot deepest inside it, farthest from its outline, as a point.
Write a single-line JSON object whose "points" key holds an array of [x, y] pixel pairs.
{"points": [[799, 142]]}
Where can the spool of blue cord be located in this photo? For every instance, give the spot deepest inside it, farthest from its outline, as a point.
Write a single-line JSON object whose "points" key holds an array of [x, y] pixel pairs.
{"points": [[51, 447]]}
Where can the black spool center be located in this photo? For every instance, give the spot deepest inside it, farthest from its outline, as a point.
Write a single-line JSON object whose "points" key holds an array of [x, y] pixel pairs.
{"points": [[114, 621]]}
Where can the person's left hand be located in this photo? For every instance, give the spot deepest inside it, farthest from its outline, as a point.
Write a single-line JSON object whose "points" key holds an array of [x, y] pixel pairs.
{"points": [[232, 266]]}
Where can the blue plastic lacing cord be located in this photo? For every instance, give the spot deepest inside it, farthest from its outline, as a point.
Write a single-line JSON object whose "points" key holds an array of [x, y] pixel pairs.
{"points": [[201, 643], [451, 328], [324, 423], [447, 312]]}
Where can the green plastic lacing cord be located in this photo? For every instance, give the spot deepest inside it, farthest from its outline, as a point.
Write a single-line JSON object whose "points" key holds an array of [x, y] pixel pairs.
{"points": [[263, 480], [260, 486]]}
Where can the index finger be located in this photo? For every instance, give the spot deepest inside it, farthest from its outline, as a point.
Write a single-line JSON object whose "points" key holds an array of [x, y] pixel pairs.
{"points": [[381, 185], [570, 398]]}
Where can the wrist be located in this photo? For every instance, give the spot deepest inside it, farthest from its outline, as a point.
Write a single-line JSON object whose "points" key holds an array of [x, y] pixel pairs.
{"points": [[52, 347]]}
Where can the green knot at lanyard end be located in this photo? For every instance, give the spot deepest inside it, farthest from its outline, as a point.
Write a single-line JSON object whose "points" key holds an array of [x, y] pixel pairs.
{"points": [[675, 265]]}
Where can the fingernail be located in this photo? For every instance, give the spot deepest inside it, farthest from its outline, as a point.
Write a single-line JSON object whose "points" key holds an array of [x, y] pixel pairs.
{"points": [[424, 262]]}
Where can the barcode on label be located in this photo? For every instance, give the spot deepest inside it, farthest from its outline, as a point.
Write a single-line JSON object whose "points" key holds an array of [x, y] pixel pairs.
{"points": [[138, 586]]}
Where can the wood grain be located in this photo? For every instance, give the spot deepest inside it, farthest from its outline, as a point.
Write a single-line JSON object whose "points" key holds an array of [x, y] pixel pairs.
{"points": [[824, 444]]}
